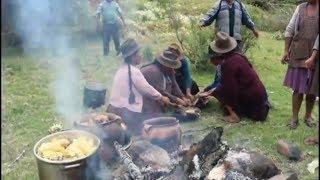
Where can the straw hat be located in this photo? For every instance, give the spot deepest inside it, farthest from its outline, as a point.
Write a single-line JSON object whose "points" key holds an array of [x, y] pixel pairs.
{"points": [[169, 59], [223, 43], [129, 47]]}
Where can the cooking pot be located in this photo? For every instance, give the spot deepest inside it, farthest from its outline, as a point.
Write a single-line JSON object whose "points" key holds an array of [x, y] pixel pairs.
{"points": [[114, 129], [74, 169], [94, 95], [109, 131], [163, 131]]}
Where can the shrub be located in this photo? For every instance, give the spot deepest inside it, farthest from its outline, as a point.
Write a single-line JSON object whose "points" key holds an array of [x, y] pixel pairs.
{"points": [[147, 53], [195, 43]]}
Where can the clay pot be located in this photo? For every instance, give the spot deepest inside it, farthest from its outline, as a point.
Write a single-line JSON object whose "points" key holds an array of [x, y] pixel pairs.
{"points": [[163, 131]]}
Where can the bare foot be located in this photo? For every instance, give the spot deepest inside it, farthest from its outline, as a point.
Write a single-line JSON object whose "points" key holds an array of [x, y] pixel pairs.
{"points": [[232, 119]]}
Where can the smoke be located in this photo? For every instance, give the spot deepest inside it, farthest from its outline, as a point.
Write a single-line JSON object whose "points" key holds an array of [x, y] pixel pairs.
{"points": [[41, 26]]}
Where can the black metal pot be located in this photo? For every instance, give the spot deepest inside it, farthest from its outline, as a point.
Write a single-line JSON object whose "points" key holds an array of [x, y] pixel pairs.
{"points": [[94, 95]]}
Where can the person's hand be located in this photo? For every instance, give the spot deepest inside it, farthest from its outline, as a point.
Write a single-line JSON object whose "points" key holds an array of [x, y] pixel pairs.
{"points": [[309, 63], [165, 100], [200, 25], [256, 34], [181, 102], [190, 96], [206, 93], [187, 101], [285, 58]]}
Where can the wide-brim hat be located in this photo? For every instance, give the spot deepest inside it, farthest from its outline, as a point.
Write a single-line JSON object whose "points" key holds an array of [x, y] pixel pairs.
{"points": [[223, 43], [169, 59], [129, 47], [176, 48]]}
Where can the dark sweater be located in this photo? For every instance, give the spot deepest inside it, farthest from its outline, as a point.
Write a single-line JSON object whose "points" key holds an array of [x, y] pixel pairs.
{"points": [[183, 73], [240, 86]]}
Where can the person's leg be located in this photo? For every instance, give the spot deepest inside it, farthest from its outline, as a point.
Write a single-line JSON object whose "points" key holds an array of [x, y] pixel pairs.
{"points": [[232, 117], [296, 104], [116, 37], [106, 39], [310, 100]]}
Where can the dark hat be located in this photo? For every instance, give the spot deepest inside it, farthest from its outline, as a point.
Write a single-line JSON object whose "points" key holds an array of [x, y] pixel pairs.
{"points": [[223, 43], [129, 47], [169, 59]]}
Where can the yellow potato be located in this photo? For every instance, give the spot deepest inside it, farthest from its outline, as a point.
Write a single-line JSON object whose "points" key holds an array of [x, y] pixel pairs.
{"points": [[52, 155], [59, 148], [73, 149], [63, 141], [52, 146]]}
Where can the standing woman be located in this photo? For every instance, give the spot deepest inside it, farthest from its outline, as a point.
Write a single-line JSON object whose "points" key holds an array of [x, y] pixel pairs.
{"points": [[300, 36], [130, 87], [183, 76]]}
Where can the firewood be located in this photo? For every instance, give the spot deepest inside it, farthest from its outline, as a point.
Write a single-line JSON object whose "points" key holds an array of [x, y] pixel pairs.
{"points": [[126, 159]]}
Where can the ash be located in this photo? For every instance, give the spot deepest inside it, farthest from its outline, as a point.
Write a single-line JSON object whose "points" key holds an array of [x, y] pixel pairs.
{"points": [[194, 163]]}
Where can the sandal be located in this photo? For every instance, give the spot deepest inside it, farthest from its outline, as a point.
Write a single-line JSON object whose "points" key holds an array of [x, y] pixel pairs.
{"points": [[293, 124], [310, 122], [312, 140]]}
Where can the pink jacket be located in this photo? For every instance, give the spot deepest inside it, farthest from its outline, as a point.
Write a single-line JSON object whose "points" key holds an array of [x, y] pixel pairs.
{"points": [[141, 88]]}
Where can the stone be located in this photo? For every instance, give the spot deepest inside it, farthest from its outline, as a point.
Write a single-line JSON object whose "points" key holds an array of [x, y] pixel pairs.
{"points": [[262, 167], [144, 154], [289, 150], [285, 176]]}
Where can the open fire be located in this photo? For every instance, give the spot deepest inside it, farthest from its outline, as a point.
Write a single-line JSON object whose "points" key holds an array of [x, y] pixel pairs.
{"points": [[143, 158]]}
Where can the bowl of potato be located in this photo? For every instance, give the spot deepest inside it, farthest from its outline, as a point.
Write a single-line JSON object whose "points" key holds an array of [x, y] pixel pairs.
{"points": [[65, 155]]}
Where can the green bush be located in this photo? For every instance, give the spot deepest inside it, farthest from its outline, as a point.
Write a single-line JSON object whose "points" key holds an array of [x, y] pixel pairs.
{"points": [[195, 43], [275, 19], [147, 53]]}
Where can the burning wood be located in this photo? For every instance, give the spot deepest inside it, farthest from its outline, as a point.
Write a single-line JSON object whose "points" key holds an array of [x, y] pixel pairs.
{"points": [[125, 158], [208, 159]]}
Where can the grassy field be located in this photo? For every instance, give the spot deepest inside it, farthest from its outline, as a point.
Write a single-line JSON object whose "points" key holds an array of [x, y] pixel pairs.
{"points": [[28, 107]]}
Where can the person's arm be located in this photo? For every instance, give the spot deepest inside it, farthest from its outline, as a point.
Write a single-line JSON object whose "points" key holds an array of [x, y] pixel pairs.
{"points": [[247, 21], [156, 81], [212, 85], [187, 81], [98, 14], [289, 33], [312, 60], [227, 92], [316, 44], [210, 16], [120, 13], [143, 87], [176, 91], [290, 29]]}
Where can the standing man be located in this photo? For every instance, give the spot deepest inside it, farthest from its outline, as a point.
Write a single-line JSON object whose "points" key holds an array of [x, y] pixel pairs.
{"points": [[229, 16], [111, 15]]}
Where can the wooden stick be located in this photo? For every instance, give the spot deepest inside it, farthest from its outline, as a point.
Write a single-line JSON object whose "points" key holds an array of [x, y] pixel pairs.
{"points": [[17, 158], [126, 159]]}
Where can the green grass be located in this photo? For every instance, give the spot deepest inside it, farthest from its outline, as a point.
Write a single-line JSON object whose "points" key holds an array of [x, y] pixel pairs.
{"points": [[29, 107]]}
